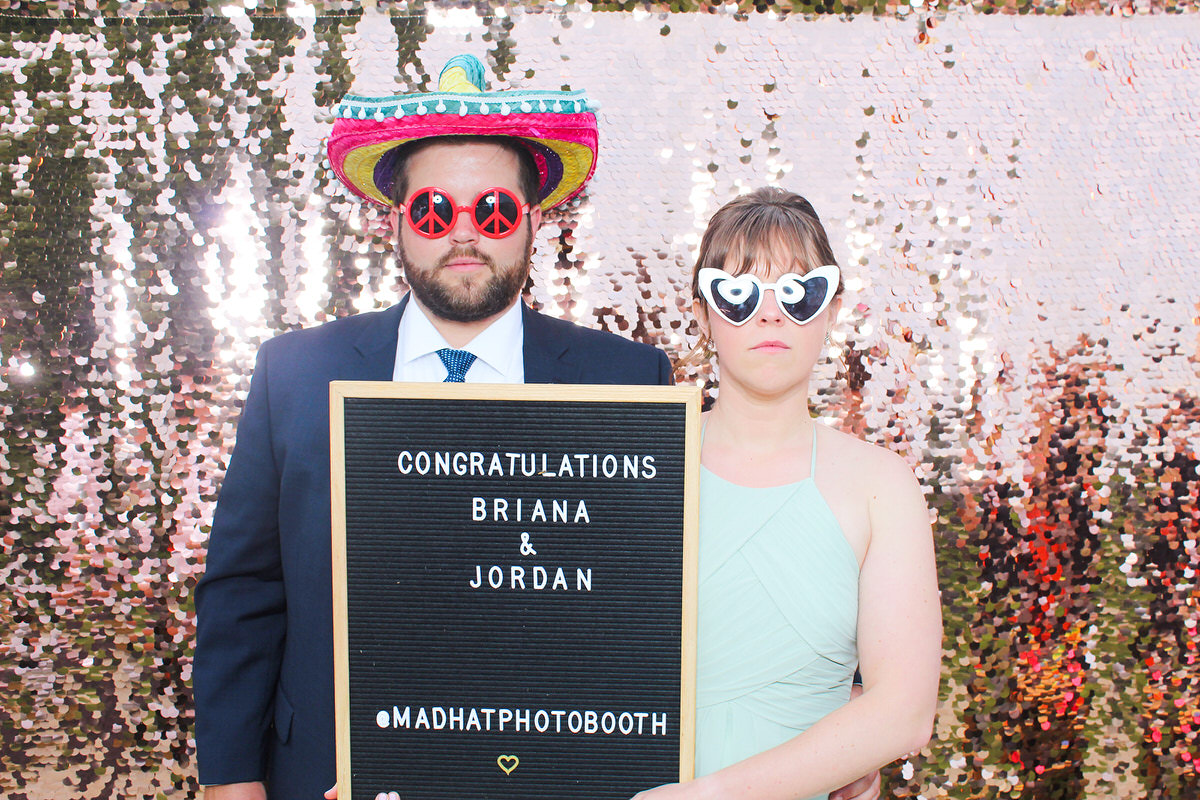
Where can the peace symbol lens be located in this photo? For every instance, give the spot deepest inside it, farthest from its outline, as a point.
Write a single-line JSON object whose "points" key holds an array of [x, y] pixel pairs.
{"points": [[800, 297], [495, 213]]}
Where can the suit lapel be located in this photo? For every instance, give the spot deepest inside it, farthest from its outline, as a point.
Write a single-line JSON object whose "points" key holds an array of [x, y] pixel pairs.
{"points": [[548, 357], [375, 346]]}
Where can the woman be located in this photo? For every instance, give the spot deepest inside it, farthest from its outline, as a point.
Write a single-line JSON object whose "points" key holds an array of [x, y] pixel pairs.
{"points": [[815, 547]]}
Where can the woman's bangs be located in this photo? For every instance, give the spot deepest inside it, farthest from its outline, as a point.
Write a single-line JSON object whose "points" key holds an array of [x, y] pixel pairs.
{"points": [[781, 247]]}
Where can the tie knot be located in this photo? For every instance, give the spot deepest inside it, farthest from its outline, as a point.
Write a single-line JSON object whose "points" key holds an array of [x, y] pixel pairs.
{"points": [[457, 363]]}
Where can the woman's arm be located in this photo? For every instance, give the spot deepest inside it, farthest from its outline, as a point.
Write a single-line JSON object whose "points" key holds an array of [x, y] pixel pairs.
{"points": [[899, 644]]}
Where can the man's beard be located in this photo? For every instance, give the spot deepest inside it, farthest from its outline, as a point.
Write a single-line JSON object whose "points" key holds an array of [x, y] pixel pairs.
{"points": [[478, 298]]}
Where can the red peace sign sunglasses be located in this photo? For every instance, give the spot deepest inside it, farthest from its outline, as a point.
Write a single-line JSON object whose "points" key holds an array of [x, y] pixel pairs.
{"points": [[431, 212]]}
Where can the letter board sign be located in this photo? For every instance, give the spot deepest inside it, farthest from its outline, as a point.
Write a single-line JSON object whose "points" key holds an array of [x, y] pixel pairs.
{"points": [[514, 595]]}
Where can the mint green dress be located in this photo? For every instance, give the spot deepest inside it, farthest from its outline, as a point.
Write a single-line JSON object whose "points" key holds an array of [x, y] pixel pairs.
{"points": [[778, 610]]}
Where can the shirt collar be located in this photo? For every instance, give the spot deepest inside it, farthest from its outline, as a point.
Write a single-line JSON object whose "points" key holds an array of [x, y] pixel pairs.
{"points": [[496, 345]]}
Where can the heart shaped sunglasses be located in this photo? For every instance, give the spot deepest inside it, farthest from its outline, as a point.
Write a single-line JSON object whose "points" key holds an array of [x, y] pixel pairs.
{"points": [[801, 298]]}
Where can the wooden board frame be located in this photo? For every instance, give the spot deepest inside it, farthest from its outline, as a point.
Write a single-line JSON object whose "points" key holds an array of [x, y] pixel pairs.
{"points": [[485, 396]]}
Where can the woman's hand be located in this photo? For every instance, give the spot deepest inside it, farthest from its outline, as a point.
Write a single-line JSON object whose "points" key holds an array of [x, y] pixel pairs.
{"points": [[692, 790], [668, 791], [865, 788]]}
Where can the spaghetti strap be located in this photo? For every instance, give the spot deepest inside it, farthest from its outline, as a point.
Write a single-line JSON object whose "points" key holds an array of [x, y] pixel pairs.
{"points": [[812, 467]]}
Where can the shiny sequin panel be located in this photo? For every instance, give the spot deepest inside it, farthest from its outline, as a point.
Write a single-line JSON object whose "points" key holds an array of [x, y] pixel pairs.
{"points": [[1013, 199]]}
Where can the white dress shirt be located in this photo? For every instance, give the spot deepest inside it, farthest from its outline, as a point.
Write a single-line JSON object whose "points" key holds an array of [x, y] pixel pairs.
{"points": [[498, 349]]}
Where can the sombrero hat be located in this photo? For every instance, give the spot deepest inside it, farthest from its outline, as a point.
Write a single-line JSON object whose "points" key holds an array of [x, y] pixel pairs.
{"points": [[558, 128]]}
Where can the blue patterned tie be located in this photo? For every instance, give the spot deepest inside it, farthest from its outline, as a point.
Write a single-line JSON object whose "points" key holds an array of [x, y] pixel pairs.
{"points": [[457, 363]]}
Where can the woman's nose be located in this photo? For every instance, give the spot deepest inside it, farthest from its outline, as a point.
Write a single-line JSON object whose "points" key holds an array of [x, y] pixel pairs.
{"points": [[769, 311]]}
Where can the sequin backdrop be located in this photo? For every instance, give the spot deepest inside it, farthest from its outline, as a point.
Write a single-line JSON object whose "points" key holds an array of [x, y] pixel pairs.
{"points": [[1013, 195]]}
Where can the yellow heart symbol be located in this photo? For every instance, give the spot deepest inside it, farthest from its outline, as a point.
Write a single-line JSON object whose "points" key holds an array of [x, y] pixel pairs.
{"points": [[507, 763]]}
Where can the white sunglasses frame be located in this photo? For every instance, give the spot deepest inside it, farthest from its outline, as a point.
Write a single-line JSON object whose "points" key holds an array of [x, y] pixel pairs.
{"points": [[709, 275]]}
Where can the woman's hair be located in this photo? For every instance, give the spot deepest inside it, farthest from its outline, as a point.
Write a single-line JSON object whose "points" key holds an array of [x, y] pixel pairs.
{"points": [[767, 224]]}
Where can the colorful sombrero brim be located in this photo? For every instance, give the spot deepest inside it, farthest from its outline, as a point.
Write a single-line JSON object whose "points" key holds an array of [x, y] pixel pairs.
{"points": [[559, 128]]}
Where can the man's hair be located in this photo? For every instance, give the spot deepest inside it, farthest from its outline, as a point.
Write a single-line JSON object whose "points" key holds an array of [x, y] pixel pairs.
{"points": [[529, 180], [755, 229]]}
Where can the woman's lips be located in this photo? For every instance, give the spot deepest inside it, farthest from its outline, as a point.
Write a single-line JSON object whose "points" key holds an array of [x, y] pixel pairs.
{"points": [[771, 345]]}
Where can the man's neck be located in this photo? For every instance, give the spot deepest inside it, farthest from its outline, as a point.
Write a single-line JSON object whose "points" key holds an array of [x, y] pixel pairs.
{"points": [[459, 334]]}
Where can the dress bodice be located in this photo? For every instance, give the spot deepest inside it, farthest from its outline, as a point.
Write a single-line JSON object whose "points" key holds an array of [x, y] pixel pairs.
{"points": [[778, 585]]}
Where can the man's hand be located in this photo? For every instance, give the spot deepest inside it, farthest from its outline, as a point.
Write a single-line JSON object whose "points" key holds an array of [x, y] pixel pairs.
{"points": [[865, 788], [236, 791], [331, 794]]}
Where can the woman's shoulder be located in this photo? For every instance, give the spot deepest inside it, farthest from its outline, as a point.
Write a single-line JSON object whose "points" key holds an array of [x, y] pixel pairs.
{"points": [[876, 488], [870, 467]]}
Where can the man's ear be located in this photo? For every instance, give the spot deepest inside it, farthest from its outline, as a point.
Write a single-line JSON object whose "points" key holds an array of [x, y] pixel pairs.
{"points": [[535, 217], [394, 222]]}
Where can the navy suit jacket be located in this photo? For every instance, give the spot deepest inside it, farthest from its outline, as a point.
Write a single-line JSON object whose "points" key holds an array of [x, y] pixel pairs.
{"points": [[263, 671]]}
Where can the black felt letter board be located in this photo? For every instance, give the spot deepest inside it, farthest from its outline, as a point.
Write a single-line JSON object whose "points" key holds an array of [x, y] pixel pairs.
{"points": [[512, 589]]}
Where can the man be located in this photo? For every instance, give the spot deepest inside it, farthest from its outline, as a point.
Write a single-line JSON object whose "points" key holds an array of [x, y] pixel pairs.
{"points": [[464, 215]]}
